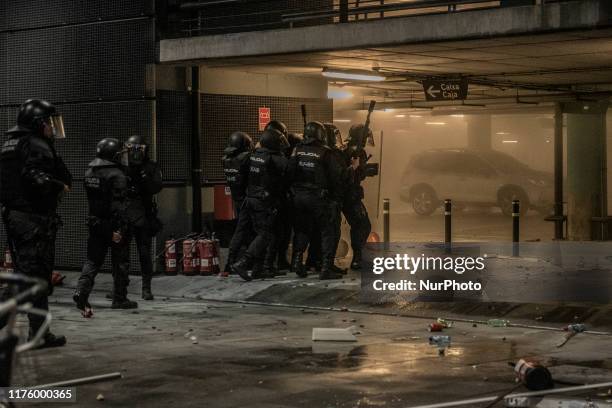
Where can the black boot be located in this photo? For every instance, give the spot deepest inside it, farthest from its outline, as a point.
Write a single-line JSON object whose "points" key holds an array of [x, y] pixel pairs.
{"points": [[260, 272], [147, 294], [336, 269], [328, 273], [242, 268], [49, 340], [356, 262], [124, 303], [298, 267], [82, 303]]}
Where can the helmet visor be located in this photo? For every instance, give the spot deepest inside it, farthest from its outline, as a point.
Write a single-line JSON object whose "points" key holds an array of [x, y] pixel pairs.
{"points": [[57, 126], [136, 152], [124, 157]]}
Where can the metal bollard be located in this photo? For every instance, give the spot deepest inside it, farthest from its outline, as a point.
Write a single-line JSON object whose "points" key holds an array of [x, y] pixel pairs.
{"points": [[386, 223], [447, 225], [516, 216]]}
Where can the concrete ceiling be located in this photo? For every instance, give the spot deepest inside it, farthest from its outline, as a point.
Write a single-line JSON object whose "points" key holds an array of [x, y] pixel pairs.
{"points": [[547, 64]]}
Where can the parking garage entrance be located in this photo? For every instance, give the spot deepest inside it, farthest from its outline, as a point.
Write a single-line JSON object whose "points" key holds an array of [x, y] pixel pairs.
{"points": [[532, 127]]}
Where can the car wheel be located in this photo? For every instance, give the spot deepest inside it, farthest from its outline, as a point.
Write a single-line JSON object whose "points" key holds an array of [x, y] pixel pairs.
{"points": [[424, 200], [507, 195]]}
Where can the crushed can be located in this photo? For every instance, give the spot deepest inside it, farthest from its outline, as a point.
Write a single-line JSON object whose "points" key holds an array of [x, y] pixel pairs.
{"points": [[533, 375], [575, 328], [435, 327]]}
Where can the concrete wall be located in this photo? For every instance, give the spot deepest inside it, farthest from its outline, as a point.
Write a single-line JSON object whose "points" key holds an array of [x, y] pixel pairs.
{"points": [[232, 82], [405, 30]]}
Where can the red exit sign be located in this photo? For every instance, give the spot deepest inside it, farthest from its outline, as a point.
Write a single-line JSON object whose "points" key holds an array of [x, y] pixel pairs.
{"points": [[264, 118]]}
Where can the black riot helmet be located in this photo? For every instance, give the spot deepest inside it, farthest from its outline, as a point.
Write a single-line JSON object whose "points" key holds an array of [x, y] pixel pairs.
{"points": [[110, 150], [315, 131], [273, 140], [239, 142], [333, 136], [357, 138], [294, 139], [34, 114], [278, 125], [137, 149]]}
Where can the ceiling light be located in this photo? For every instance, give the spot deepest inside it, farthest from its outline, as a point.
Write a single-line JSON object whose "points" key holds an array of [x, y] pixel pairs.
{"points": [[416, 116], [457, 116], [352, 75], [333, 93], [509, 141], [400, 116], [342, 120], [502, 133], [435, 123]]}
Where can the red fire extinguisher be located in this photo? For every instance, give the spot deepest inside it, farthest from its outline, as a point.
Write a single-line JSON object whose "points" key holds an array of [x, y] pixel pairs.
{"points": [[170, 257], [206, 256], [188, 257], [8, 261]]}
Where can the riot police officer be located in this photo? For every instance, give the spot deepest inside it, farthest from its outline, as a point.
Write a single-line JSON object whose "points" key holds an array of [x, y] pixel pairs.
{"points": [[352, 207], [316, 179], [107, 187], [334, 142], [279, 126], [282, 234], [266, 187], [33, 179], [236, 166], [144, 181], [286, 213]]}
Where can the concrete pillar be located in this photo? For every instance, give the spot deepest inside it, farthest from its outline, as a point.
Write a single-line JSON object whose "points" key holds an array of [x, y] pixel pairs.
{"points": [[479, 131], [586, 168]]}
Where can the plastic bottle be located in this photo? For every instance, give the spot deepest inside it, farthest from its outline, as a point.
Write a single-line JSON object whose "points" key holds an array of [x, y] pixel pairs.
{"points": [[497, 322]]}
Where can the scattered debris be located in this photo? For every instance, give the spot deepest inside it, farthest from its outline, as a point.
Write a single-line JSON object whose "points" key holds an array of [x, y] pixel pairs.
{"points": [[445, 323], [100, 397], [509, 398], [57, 279], [435, 327], [497, 323], [533, 375], [441, 342], [572, 330]]}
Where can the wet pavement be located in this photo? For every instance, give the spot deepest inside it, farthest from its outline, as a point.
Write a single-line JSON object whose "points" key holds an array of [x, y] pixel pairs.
{"points": [[468, 225], [193, 353]]}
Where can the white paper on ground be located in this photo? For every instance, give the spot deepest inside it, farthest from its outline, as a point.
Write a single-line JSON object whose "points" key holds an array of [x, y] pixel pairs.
{"points": [[332, 334]]}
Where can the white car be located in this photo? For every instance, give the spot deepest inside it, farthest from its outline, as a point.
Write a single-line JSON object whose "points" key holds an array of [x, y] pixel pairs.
{"points": [[476, 178]]}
